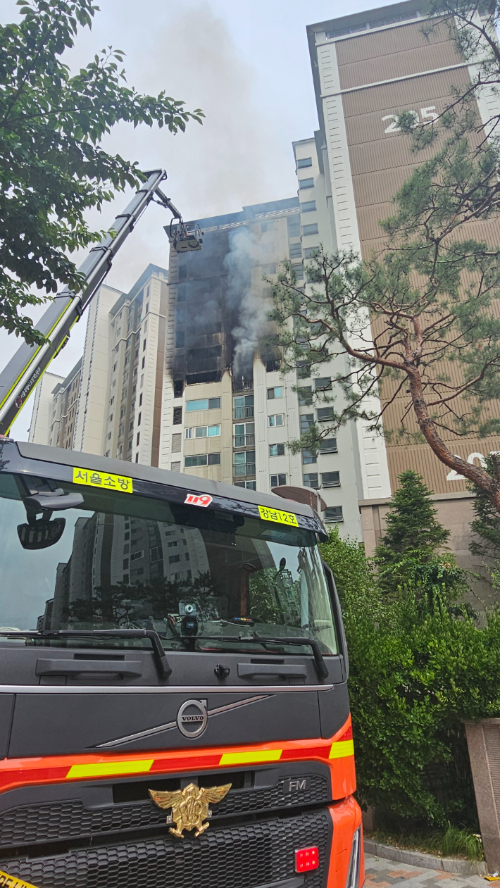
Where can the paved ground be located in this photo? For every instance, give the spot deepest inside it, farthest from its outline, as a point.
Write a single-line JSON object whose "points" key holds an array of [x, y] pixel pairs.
{"points": [[381, 873]]}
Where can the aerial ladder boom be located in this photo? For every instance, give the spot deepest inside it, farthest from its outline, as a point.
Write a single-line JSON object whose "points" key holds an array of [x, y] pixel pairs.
{"points": [[27, 366]]}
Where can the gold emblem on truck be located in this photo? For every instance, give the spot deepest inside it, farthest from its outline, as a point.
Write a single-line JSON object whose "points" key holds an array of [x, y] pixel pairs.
{"points": [[189, 806]]}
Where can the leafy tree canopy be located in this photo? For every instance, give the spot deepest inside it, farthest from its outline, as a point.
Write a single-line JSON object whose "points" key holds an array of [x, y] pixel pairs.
{"points": [[53, 167]]}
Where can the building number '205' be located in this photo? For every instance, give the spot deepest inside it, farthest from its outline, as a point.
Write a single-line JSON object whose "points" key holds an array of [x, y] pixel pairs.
{"points": [[427, 115]]}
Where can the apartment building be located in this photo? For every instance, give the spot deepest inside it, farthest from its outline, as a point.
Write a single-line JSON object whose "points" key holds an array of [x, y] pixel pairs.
{"points": [[110, 403], [367, 68], [229, 411]]}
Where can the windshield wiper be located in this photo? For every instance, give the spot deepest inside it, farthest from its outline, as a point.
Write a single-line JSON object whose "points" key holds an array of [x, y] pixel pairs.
{"points": [[319, 663], [159, 656]]}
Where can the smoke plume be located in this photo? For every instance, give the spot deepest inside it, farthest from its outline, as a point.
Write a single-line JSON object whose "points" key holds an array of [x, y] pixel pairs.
{"points": [[250, 302]]}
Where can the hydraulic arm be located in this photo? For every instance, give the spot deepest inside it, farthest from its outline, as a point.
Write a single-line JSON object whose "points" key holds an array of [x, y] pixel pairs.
{"points": [[28, 364]]}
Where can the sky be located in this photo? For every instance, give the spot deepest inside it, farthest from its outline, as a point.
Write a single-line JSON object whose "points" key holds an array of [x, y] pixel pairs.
{"points": [[246, 64]]}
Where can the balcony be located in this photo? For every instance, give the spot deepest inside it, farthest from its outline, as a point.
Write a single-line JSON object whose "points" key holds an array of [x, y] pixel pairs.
{"points": [[244, 440], [244, 470], [243, 413]]}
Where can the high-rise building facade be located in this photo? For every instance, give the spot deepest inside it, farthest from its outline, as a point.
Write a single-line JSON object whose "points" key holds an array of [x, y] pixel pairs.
{"points": [[229, 412], [367, 68], [110, 403], [184, 376]]}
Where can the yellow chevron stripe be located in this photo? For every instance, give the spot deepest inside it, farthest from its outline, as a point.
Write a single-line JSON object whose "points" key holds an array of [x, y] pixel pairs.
{"points": [[341, 749], [107, 769], [250, 758]]}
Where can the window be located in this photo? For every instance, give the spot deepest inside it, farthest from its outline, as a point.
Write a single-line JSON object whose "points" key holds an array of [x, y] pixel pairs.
{"points": [[269, 269], [333, 514], [140, 400], [310, 252], [110, 417], [268, 226], [308, 206], [136, 555], [308, 457], [277, 480], [323, 382], [180, 339], [244, 463], [109, 436], [310, 229], [202, 404], [202, 459], [276, 392], [328, 445], [144, 345], [131, 425], [295, 251], [243, 406], [122, 412], [277, 419], [311, 480], [306, 421], [203, 432], [138, 439], [142, 379], [303, 162], [177, 420], [304, 393], [177, 443], [324, 414], [173, 544], [180, 314], [139, 419], [199, 460], [174, 559], [111, 399], [305, 183], [250, 485], [330, 479], [175, 467], [293, 223], [299, 270], [142, 366], [155, 553], [276, 450], [244, 434], [137, 457]]}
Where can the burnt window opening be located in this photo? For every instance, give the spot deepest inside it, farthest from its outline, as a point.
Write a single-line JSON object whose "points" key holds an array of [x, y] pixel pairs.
{"points": [[202, 360], [178, 388], [177, 420]]}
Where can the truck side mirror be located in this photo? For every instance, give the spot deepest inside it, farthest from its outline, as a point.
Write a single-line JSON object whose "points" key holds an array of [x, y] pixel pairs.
{"points": [[337, 611]]}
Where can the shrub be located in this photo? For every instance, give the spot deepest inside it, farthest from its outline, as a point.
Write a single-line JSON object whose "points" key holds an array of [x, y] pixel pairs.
{"points": [[416, 673]]}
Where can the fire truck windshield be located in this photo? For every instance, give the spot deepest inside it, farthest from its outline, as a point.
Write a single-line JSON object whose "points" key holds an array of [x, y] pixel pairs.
{"points": [[122, 561]]}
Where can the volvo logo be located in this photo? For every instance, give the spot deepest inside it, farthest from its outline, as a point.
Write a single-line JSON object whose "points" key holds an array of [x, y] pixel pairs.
{"points": [[192, 718]]}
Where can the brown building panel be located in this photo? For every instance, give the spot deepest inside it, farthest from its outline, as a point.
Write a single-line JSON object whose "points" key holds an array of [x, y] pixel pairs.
{"points": [[404, 93], [381, 161], [420, 458], [399, 64], [378, 44]]}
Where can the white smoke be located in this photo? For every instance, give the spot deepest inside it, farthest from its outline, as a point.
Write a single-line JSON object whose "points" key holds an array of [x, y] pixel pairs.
{"points": [[252, 303]]}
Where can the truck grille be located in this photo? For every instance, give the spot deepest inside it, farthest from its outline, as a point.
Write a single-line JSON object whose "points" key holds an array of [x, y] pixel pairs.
{"points": [[240, 856], [60, 820]]}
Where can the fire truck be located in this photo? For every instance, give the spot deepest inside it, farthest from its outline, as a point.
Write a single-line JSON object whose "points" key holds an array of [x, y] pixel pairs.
{"points": [[174, 709]]}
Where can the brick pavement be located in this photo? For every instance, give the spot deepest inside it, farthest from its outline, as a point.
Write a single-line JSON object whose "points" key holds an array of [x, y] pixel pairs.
{"points": [[382, 873]]}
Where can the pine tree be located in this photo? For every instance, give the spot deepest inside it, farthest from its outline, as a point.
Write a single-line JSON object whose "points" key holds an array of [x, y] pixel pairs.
{"points": [[486, 523], [411, 523], [408, 553]]}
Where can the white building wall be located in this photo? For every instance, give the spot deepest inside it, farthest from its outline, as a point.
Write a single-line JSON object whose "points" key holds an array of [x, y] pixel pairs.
{"points": [[371, 448], [90, 427], [41, 418]]}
